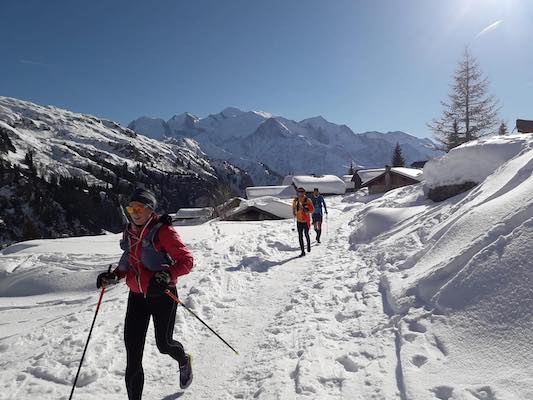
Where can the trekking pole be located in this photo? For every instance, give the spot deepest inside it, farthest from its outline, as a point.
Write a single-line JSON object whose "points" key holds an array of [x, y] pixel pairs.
{"points": [[88, 338], [178, 301]]}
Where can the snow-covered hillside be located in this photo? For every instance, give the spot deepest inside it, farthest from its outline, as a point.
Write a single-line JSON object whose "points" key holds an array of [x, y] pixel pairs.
{"points": [[46, 145], [65, 142], [313, 145], [405, 299]]}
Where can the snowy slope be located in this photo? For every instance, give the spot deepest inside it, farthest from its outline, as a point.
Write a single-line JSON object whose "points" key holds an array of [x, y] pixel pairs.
{"points": [[460, 273], [66, 142], [82, 166], [404, 299], [313, 145], [303, 327]]}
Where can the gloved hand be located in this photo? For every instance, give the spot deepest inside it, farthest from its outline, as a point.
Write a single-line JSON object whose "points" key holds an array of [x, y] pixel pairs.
{"points": [[106, 278], [158, 283]]}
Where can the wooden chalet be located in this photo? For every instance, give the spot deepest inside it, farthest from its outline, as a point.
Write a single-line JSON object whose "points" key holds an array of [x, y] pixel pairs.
{"points": [[392, 178]]}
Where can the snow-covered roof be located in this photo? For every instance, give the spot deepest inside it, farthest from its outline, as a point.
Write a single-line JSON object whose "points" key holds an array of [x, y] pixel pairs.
{"points": [[348, 181], [205, 212], [287, 180], [326, 184], [411, 173], [368, 174], [282, 192], [474, 161], [269, 204]]}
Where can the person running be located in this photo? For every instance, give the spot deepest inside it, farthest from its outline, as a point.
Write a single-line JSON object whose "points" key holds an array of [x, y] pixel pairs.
{"points": [[318, 202], [302, 207], [153, 259]]}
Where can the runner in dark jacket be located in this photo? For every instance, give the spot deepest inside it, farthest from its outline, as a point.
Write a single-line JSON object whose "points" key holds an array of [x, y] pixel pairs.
{"points": [[318, 202], [154, 257]]}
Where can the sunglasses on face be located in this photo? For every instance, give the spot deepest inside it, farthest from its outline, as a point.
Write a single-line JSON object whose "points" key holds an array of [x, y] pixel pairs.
{"points": [[135, 209]]}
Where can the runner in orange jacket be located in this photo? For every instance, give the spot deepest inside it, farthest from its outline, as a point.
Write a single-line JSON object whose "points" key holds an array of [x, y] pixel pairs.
{"points": [[302, 208]]}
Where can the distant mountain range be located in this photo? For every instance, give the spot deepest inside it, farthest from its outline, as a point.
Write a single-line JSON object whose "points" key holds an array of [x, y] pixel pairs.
{"points": [[268, 146]]}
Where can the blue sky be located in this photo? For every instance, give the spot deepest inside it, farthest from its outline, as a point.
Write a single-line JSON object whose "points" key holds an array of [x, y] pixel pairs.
{"points": [[372, 65]]}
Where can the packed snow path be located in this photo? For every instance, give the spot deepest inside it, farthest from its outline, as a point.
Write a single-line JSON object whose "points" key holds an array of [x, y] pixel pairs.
{"points": [[309, 327]]}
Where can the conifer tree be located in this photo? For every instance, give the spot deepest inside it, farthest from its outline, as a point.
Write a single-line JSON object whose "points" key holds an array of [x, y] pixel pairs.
{"points": [[397, 157], [502, 131], [470, 107]]}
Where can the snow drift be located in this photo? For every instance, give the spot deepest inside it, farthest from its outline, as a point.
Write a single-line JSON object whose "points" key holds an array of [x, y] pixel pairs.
{"points": [[460, 273]]}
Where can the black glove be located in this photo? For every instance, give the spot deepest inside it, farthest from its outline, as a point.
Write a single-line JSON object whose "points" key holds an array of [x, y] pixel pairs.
{"points": [[106, 278], [158, 284]]}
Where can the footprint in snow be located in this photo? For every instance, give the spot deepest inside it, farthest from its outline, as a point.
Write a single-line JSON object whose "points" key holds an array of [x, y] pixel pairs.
{"points": [[484, 393], [419, 360], [415, 326], [443, 392], [349, 364]]}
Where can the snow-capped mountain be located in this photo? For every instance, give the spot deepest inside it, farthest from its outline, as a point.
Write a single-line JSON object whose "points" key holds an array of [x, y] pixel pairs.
{"points": [[46, 149], [313, 145]]}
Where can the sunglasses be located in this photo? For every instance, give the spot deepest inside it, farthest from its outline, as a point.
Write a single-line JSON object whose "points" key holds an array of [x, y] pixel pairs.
{"points": [[135, 209]]}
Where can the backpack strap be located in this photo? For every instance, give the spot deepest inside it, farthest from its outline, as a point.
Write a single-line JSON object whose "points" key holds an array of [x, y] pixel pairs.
{"points": [[149, 239]]}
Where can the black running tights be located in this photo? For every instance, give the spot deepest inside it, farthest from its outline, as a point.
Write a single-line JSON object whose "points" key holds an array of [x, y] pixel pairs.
{"points": [[162, 309], [303, 228]]}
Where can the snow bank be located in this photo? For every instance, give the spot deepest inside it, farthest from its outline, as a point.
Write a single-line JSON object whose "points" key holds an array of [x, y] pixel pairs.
{"points": [[282, 192], [474, 161], [459, 273], [378, 220], [326, 184]]}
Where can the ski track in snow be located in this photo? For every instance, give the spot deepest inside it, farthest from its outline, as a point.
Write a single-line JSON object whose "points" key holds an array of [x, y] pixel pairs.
{"points": [[309, 327]]}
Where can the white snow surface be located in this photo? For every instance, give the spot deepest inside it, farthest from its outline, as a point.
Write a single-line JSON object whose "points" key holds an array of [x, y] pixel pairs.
{"points": [[368, 174], [347, 179], [270, 204], [409, 172], [282, 192], [474, 161], [404, 299], [326, 184]]}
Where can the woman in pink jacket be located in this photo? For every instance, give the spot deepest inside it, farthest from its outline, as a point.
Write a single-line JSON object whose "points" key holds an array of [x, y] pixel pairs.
{"points": [[153, 259]]}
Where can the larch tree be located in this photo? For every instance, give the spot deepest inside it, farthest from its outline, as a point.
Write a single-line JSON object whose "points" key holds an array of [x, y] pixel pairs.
{"points": [[470, 112]]}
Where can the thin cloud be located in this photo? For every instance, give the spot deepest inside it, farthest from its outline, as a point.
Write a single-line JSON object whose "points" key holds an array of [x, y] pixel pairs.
{"points": [[31, 62], [489, 28]]}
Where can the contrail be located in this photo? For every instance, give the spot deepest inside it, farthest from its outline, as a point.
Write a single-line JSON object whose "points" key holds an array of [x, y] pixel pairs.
{"points": [[489, 28], [30, 62]]}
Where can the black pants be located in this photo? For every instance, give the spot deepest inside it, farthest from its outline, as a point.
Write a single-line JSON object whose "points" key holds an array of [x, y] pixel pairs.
{"points": [[303, 228], [163, 311]]}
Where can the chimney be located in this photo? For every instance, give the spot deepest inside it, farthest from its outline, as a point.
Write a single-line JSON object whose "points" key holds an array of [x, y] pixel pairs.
{"points": [[388, 183]]}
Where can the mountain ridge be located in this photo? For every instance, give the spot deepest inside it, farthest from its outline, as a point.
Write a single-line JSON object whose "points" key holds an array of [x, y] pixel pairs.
{"points": [[312, 145]]}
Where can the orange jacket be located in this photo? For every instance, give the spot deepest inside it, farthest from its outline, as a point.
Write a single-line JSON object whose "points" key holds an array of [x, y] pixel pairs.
{"points": [[302, 210]]}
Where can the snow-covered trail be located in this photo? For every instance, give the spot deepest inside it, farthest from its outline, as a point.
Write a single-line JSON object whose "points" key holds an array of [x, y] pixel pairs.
{"points": [[309, 327]]}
